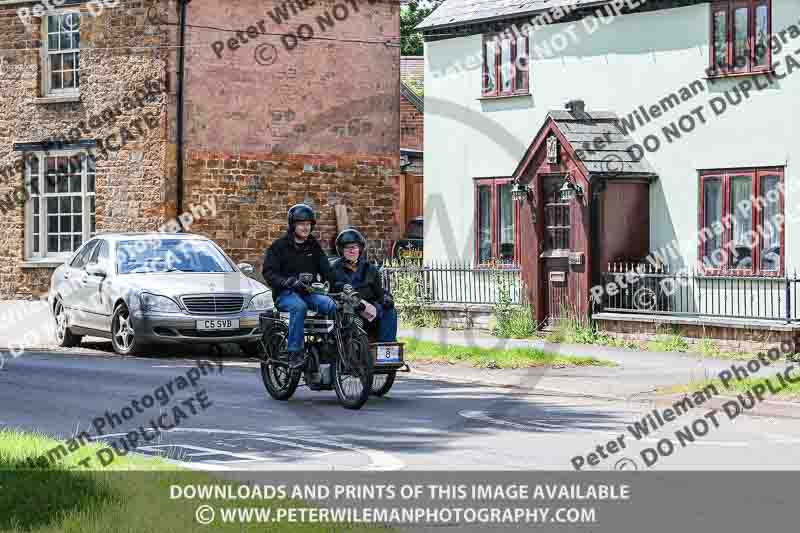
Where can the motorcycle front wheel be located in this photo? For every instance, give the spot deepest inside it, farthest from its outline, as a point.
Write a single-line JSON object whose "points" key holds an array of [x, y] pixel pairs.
{"points": [[280, 381], [353, 379]]}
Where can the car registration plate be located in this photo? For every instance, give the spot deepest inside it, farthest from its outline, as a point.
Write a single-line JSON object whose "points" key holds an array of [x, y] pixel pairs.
{"points": [[387, 354], [218, 323]]}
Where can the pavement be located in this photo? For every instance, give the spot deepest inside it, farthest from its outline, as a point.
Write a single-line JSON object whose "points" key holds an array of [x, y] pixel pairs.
{"points": [[636, 376]]}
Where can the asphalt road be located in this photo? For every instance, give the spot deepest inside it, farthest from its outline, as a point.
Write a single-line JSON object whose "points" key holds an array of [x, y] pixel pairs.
{"points": [[422, 424]]}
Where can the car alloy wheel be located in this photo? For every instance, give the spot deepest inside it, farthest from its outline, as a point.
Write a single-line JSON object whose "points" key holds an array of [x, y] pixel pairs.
{"points": [[64, 336], [122, 332]]}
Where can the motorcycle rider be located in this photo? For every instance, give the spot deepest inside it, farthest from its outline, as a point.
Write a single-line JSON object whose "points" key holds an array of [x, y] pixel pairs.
{"points": [[296, 253], [353, 269]]}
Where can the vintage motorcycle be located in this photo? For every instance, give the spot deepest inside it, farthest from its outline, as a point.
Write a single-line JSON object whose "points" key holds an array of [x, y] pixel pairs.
{"points": [[338, 354]]}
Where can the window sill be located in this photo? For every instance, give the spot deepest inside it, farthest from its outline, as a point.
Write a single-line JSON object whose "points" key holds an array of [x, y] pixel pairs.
{"points": [[65, 99], [504, 96], [715, 77], [50, 262]]}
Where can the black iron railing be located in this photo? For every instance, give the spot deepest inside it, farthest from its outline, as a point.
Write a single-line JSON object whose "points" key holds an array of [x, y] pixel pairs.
{"points": [[656, 291], [455, 283]]}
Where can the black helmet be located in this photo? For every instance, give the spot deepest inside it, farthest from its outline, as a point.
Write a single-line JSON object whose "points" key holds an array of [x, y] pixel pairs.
{"points": [[350, 236], [302, 213]]}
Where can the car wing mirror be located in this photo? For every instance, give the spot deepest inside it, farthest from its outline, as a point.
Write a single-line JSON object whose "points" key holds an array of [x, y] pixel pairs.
{"points": [[95, 269], [246, 268]]}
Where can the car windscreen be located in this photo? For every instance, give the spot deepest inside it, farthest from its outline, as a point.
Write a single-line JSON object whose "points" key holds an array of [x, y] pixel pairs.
{"points": [[169, 255]]}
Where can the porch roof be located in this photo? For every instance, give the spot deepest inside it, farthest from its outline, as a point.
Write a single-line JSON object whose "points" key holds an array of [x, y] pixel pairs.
{"points": [[604, 148]]}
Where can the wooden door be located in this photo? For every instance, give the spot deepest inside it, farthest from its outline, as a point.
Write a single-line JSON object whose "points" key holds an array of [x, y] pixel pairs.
{"points": [[413, 197], [555, 253], [556, 288]]}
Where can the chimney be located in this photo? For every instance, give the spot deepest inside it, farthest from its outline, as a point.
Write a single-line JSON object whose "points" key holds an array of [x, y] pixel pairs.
{"points": [[576, 107]]}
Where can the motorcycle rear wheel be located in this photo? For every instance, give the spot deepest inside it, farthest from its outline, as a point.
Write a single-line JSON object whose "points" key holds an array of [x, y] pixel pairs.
{"points": [[381, 383], [353, 379]]}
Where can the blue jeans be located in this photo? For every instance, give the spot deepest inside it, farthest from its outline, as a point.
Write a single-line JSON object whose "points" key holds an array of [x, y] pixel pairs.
{"points": [[387, 324], [297, 305]]}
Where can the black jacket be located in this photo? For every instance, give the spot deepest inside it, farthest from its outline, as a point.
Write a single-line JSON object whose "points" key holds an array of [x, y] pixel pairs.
{"points": [[367, 280], [286, 259]]}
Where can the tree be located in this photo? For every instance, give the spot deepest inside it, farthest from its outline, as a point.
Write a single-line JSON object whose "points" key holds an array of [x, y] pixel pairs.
{"points": [[415, 12]]}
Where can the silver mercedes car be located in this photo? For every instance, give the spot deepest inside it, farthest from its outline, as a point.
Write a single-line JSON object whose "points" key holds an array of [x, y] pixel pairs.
{"points": [[147, 288]]}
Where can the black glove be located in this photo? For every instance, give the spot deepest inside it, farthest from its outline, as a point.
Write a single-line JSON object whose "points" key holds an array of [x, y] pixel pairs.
{"points": [[299, 286], [387, 302], [347, 288]]}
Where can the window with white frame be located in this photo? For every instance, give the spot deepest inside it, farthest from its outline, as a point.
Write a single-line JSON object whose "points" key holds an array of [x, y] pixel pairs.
{"points": [[60, 214], [61, 53]]}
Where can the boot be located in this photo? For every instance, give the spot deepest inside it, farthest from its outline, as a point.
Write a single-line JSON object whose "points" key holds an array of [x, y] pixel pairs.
{"points": [[297, 359]]}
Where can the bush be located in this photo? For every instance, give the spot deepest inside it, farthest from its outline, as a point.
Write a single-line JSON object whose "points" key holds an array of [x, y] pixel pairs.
{"points": [[410, 307], [513, 321], [573, 329]]}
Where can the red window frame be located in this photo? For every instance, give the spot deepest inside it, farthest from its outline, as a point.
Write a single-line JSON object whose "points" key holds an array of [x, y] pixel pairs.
{"points": [[724, 177], [495, 64], [494, 186], [729, 7]]}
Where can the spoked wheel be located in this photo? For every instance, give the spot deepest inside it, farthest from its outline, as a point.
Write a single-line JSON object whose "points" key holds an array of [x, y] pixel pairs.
{"points": [[381, 383], [64, 336], [353, 380], [279, 379]]}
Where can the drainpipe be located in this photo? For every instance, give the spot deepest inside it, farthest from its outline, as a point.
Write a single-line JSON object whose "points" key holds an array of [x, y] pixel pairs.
{"points": [[180, 99]]}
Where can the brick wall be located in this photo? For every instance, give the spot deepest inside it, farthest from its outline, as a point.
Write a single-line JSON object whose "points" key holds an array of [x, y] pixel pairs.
{"points": [[132, 185], [253, 193], [268, 126], [411, 120]]}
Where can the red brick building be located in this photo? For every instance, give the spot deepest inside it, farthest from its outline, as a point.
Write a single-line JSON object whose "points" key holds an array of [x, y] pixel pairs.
{"points": [[281, 102], [412, 109]]}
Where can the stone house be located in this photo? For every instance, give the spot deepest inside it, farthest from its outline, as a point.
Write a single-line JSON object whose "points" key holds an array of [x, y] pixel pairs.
{"points": [[123, 118]]}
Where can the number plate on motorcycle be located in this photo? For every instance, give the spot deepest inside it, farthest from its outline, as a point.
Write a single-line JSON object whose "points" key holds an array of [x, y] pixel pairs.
{"points": [[218, 323], [387, 354]]}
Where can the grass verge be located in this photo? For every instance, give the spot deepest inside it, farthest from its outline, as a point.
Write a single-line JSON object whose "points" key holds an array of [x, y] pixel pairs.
{"points": [[131, 494], [424, 351], [790, 393]]}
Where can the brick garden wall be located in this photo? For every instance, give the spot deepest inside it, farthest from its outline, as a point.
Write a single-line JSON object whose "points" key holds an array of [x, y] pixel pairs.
{"points": [[735, 339], [120, 50]]}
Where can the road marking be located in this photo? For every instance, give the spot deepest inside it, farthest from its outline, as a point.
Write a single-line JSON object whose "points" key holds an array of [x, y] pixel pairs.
{"points": [[379, 460], [212, 451], [283, 442]]}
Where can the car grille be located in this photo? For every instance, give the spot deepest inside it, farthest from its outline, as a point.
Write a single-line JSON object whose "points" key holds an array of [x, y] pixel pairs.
{"points": [[213, 304]]}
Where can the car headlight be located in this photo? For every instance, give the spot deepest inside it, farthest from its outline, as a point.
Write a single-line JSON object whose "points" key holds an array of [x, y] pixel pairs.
{"points": [[154, 303], [260, 302]]}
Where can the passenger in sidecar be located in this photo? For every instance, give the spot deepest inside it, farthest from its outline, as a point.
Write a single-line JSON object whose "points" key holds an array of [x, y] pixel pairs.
{"points": [[353, 269]]}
